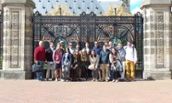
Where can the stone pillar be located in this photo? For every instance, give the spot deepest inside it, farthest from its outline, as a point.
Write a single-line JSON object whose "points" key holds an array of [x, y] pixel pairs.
{"points": [[157, 39], [17, 39]]}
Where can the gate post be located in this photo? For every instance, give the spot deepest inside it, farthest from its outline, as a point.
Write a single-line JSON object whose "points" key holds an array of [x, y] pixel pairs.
{"points": [[157, 39], [17, 39]]}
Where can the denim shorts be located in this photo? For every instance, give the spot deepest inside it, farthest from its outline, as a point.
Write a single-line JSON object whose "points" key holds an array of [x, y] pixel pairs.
{"points": [[57, 66]]}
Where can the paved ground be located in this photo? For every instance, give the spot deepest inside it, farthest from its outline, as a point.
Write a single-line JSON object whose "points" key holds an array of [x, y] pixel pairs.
{"points": [[33, 91]]}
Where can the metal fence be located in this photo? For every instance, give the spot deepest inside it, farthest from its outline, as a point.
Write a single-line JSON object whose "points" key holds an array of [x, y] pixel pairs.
{"points": [[90, 27]]}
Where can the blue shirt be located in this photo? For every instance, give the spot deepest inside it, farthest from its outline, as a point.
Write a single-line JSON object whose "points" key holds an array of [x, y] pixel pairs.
{"points": [[104, 57], [97, 50]]}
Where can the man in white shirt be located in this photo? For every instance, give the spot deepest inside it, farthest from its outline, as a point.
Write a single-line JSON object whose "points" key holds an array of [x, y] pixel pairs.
{"points": [[87, 48], [71, 49], [131, 60]]}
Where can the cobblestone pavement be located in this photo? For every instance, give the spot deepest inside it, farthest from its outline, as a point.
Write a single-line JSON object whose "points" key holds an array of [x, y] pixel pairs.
{"points": [[33, 91]]}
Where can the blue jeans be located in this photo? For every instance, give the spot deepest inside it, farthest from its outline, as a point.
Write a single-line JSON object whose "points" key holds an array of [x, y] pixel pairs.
{"points": [[39, 75], [110, 73], [114, 74], [95, 73]]}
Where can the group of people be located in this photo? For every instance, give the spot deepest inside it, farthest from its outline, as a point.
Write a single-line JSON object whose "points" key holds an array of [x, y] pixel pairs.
{"points": [[106, 63]]}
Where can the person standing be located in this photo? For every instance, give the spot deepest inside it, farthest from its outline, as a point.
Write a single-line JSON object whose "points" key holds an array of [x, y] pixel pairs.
{"points": [[50, 63], [97, 50], [78, 47], [94, 60], [71, 49], [39, 56], [87, 48], [131, 60], [62, 45], [121, 51], [113, 61], [57, 58], [110, 47], [66, 65], [104, 63]]}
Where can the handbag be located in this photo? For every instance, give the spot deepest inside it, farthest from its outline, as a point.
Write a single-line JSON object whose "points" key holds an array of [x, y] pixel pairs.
{"points": [[36, 67], [91, 67]]}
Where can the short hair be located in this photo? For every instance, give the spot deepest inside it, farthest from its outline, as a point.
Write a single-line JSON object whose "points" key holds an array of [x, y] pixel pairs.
{"points": [[51, 42], [120, 43], [86, 42], [96, 42], [70, 43], [104, 45], [40, 42], [130, 41]]}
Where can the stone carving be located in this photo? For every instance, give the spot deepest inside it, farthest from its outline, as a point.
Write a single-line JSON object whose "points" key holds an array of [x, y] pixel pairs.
{"points": [[14, 56], [160, 40]]}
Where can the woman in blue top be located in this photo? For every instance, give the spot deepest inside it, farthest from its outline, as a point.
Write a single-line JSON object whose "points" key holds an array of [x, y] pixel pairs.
{"points": [[66, 64]]}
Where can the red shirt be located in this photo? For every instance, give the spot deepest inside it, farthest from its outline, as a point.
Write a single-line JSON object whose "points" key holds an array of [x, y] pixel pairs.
{"points": [[39, 54]]}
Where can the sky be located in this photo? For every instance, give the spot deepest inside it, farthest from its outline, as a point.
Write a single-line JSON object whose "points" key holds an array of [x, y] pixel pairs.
{"points": [[134, 5]]}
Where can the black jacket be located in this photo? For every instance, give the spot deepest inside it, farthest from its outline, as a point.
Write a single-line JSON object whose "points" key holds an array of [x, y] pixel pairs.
{"points": [[49, 54]]}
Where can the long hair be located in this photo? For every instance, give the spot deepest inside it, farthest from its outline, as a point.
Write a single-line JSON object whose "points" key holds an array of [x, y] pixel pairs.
{"points": [[112, 52], [68, 50], [94, 53], [58, 46], [84, 57], [74, 54]]}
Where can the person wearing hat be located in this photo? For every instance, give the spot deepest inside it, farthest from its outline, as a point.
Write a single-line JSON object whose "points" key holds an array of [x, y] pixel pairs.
{"points": [[131, 60], [62, 45]]}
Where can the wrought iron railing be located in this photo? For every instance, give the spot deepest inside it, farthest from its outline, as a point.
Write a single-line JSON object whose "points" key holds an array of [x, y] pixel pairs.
{"points": [[89, 27]]}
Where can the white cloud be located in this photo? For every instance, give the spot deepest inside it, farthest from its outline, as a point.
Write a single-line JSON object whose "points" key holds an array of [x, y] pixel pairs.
{"points": [[133, 2], [135, 10]]}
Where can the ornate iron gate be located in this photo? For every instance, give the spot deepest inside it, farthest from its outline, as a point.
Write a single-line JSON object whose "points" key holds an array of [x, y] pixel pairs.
{"points": [[1, 38], [89, 27]]}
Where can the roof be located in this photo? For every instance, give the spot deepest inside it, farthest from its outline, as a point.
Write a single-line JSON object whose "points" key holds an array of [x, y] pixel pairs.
{"points": [[75, 6]]}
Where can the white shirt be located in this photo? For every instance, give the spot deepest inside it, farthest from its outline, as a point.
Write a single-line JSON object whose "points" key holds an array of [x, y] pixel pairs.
{"points": [[87, 50], [71, 50], [131, 54]]}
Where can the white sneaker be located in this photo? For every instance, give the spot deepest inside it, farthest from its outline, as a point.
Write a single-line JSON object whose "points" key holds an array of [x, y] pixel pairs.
{"points": [[62, 80], [56, 80], [67, 80]]}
